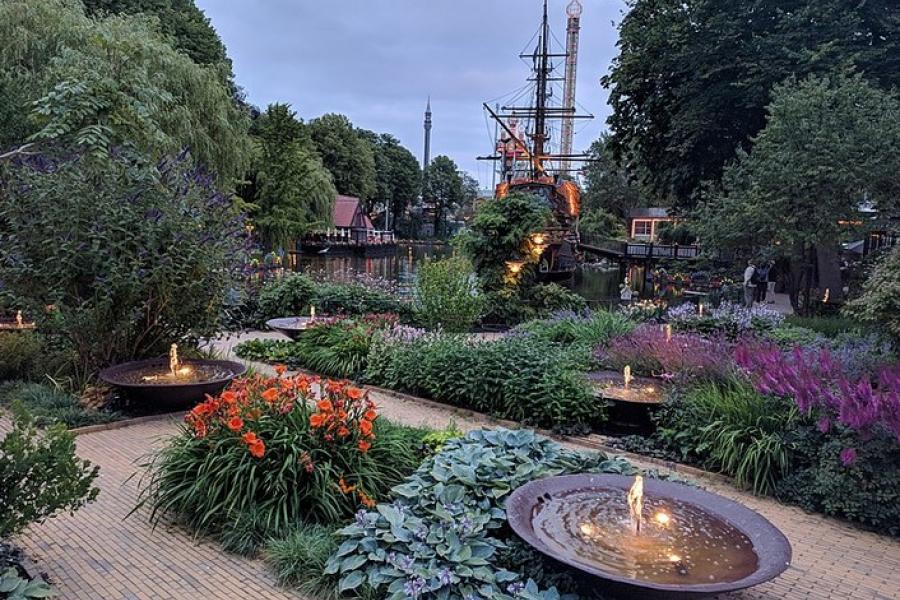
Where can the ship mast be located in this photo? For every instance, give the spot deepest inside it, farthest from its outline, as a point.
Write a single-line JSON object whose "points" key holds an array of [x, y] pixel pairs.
{"points": [[542, 66]]}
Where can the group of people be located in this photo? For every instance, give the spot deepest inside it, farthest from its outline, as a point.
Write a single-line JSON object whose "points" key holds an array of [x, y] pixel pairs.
{"points": [[756, 281]]}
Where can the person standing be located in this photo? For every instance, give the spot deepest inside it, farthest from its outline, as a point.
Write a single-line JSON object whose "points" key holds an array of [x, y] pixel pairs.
{"points": [[749, 285], [762, 281]]}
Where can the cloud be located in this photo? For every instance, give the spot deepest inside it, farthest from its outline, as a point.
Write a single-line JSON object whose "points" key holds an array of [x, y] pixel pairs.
{"points": [[378, 60]]}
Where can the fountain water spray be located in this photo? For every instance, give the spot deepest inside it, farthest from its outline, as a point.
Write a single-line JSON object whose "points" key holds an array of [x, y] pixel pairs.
{"points": [[636, 502], [19, 321], [626, 375], [173, 359]]}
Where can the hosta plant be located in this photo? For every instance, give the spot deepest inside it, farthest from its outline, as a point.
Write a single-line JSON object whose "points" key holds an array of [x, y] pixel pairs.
{"points": [[442, 533], [274, 451]]}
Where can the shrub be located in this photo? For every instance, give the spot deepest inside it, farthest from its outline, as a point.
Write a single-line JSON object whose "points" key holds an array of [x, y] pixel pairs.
{"points": [[441, 535], [828, 326], [731, 427], [686, 355], [879, 303], [294, 294], [20, 354], [514, 378], [862, 486], [569, 327], [48, 405], [548, 298], [142, 255], [40, 475], [266, 450], [446, 295]]}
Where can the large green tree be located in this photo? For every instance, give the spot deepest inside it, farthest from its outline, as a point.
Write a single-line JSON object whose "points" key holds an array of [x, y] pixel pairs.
{"points": [[692, 78], [443, 191], [185, 24], [398, 178], [113, 83], [347, 154], [608, 187], [830, 143], [293, 191]]}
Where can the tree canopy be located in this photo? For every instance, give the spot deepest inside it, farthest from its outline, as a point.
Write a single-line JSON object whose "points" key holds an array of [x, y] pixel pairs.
{"points": [[112, 83], [693, 77], [346, 154], [607, 185], [443, 190], [398, 178], [293, 190]]}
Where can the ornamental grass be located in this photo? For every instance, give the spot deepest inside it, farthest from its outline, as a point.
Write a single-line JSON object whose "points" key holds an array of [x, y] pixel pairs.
{"points": [[283, 449]]}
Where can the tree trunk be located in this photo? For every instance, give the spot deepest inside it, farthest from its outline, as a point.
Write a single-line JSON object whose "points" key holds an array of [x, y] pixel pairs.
{"points": [[829, 266]]}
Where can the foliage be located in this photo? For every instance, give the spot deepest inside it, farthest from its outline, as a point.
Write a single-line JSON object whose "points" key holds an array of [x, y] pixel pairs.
{"points": [[446, 295], [685, 356], [398, 179], [300, 557], [687, 90], [15, 587], [569, 327], [865, 489], [294, 294], [443, 190], [547, 298], [499, 233], [789, 336], [48, 405], [729, 319], [269, 449], [40, 475], [20, 354], [879, 303], [514, 378], [440, 536], [186, 24], [680, 233], [819, 383], [597, 221], [434, 441], [830, 327], [733, 428], [112, 84], [609, 190], [346, 154], [142, 256], [293, 191]]}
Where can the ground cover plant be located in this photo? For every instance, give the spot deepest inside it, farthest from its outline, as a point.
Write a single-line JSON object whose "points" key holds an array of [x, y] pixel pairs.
{"points": [[570, 327], [444, 532], [515, 377], [268, 453], [48, 405], [728, 319]]}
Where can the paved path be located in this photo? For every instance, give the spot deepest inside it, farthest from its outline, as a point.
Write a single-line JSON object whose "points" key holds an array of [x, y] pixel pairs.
{"points": [[98, 554]]}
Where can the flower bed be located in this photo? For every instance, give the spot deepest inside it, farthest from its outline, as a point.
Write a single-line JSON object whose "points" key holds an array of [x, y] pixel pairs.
{"points": [[731, 320]]}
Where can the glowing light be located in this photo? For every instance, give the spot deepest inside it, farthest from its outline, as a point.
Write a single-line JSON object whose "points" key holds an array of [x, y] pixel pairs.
{"points": [[674, 558], [312, 312], [587, 529], [626, 375], [662, 518], [827, 295], [700, 309], [19, 321], [514, 266], [668, 330], [174, 363], [635, 500], [538, 239]]}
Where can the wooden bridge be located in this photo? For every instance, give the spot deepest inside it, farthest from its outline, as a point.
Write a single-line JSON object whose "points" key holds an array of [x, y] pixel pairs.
{"points": [[611, 248]]}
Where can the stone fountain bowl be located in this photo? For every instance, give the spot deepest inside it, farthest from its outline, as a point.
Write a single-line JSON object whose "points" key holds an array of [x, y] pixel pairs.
{"points": [[170, 396], [292, 327], [771, 547]]}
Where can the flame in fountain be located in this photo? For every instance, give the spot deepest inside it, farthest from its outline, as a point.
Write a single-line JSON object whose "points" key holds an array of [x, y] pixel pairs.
{"points": [[635, 499]]}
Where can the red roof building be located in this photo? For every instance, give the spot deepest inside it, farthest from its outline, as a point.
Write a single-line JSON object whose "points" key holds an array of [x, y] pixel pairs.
{"points": [[348, 214]]}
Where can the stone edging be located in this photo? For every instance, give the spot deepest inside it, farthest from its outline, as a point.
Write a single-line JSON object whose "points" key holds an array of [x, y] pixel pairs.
{"points": [[124, 423]]}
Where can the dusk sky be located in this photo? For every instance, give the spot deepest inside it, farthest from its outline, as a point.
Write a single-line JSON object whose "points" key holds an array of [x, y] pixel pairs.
{"points": [[377, 61]]}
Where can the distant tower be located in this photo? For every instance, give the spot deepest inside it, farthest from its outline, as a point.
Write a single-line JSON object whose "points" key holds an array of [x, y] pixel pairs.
{"points": [[572, 32], [427, 160]]}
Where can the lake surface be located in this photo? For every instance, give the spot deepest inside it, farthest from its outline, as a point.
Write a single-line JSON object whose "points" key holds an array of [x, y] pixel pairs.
{"points": [[598, 286]]}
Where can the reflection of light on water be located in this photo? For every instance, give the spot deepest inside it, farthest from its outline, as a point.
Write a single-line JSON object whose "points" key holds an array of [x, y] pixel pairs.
{"points": [[587, 529], [662, 518], [674, 558]]}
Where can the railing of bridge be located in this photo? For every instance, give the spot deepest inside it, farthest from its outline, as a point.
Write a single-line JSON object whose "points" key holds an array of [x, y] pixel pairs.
{"points": [[639, 249]]}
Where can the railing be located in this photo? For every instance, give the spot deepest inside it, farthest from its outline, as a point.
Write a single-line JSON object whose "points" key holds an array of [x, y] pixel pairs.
{"points": [[639, 249]]}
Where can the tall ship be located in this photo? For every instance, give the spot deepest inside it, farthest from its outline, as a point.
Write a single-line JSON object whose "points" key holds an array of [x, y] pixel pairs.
{"points": [[533, 152]]}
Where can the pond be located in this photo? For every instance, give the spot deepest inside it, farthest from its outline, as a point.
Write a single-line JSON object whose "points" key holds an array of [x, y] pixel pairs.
{"points": [[598, 285]]}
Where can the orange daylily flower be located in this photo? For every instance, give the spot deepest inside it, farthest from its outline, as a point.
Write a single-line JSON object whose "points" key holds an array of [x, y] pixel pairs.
{"points": [[370, 415], [257, 449], [280, 369], [365, 499], [229, 397], [345, 489], [343, 431], [235, 423], [250, 438], [364, 446], [365, 427], [316, 420], [325, 405], [270, 395], [355, 393]]}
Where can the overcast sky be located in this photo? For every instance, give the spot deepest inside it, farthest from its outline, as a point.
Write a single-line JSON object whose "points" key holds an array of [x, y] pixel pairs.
{"points": [[377, 61]]}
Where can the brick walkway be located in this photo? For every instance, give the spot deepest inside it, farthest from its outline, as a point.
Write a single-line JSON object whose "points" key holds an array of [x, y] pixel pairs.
{"points": [[96, 554]]}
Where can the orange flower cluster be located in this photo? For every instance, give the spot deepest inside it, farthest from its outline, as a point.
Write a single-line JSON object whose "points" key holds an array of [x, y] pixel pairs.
{"points": [[345, 413]]}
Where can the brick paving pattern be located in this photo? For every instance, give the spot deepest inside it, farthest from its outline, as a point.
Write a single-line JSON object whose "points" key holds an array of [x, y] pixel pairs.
{"points": [[98, 554]]}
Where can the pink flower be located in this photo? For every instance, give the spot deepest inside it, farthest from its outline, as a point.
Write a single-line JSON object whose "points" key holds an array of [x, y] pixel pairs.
{"points": [[848, 456]]}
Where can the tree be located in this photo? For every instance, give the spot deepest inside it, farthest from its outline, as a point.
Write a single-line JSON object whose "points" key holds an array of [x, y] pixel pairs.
{"points": [[398, 178], [607, 185], [443, 190], [294, 191], [879, 303], [346, 154], [692, 78], [829, 144], [113, 83], [596, 221], [180, 20]]}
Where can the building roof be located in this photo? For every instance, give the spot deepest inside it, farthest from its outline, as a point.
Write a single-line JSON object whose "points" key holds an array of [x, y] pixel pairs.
{"points": [[649, 213], [347, 213]]}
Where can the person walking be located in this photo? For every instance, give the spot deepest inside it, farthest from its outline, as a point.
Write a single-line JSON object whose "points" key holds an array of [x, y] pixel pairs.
{"points": [[749, 284], [762, 281]]}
